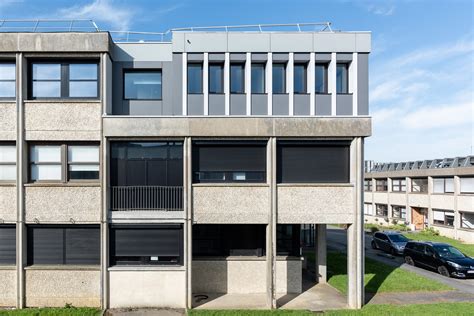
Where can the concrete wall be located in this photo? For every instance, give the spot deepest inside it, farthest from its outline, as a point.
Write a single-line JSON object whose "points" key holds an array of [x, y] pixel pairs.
{"points": [[311, 204], [7, 287], [418, 200], [8, 121], [61, 203], [288, 275], [442, 201], [381, 197], [147, 288], [235, 204], [56, 287], [8, 203]]}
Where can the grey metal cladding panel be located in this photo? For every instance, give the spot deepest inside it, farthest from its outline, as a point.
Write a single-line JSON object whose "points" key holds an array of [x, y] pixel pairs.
{"points": [[280, 57], [238, 104], [216, 104], [280, 104], [259, 104], [248, 42], [363, 42], [363, 84], [177, 76], [301, 104], [322, 104], [238, 57], [195, 57], [301, 57], [344, 57], [291, 42], [259, 57], [144, 107], [344, 104], [206, 42], [217, 57], [334, 42], [325, 57], [195, 104]]}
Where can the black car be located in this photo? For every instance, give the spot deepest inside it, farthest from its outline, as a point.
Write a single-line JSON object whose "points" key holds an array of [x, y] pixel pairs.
{"points": [[392, 242], [444, 258]]}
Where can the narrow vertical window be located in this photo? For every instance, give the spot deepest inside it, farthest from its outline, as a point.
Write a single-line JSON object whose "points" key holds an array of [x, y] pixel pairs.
{"points": [[279, 78], [342, 78], [321, 78], [237, 78], [216, 78], [258, 78], [194, 78], [7, 80], [299, 82]]}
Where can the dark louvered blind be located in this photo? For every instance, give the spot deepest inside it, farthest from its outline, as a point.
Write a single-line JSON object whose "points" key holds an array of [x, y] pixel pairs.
{"points": [[313, 162], [7, 244], [82, 246]]}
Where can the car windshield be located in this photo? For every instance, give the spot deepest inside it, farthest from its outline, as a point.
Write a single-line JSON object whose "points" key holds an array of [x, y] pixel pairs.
{"points": [[398, 238], [448, 252]]}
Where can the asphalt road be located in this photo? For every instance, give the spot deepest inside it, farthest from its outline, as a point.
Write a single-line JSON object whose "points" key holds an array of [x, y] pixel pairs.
{"points": [[337, 240]]}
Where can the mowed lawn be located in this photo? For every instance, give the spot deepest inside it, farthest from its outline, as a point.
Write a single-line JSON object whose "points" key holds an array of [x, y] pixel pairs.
{"points": [[73, 311], [467, 249]]}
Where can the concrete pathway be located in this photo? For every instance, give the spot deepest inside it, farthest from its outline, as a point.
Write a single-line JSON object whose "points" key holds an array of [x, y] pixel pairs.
{"points": [[144, 312]]}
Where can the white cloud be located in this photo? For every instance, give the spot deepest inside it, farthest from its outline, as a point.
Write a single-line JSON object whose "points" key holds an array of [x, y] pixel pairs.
{"points": [[381, 10]]}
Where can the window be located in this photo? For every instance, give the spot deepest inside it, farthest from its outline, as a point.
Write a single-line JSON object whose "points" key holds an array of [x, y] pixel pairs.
{"points": [[443, 185], [142, 85], [299, 83], [216, 78], [381, 210], [419, 185], [7, 80], [368, 209], [258, 78], [7, 245], [64, 80], [399, 212], [312, 162], [368, 185], [467, 220], [443, 217], [279, 78], [237, 78], [399, 185], [48, 161], [342, 80], [467, 185], [7, 162], [381, 185], [61, 244], [288, 240], [321, 78], [146, 244], [229, 161], [194, 78]]}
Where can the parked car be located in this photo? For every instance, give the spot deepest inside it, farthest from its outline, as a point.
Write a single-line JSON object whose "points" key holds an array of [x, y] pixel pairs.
{"points": [[444, 258], [392, 242]]}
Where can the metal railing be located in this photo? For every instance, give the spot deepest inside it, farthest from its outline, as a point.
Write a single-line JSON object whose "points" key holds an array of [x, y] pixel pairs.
{"points": [[147, 198], [48, 25]]}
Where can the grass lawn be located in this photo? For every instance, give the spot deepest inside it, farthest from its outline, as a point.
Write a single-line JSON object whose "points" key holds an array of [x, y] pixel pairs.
{"points": [[379, 277], [466, 248], [73, 311]]}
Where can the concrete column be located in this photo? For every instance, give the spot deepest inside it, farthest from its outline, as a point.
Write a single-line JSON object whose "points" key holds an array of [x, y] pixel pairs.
{"points": [[205, 83], [248, 83], [184, 90], [227, 83], [321, 253], [104, 227], [332, 86], [271, 227], [311, 83], [189, 222], [289, 82], [269, 83]]}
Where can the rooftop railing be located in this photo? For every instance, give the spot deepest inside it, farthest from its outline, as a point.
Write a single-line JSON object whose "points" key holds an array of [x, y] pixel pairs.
{"points": [[48, 25]]}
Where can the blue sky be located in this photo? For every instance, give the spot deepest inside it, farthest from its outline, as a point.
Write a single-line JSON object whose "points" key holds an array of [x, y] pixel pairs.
{"points": [[421, 65]]}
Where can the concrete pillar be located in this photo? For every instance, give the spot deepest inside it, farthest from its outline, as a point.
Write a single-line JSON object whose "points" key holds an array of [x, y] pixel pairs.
{"points": [[271, 227], [188, 227], [321, 253], [104, 227]]}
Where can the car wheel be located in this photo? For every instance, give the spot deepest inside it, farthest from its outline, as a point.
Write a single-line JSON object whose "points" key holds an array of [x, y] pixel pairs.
{"points": [[374, 245], [443, 271], [409, 260]]}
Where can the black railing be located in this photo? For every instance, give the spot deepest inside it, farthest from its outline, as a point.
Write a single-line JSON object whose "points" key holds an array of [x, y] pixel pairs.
{"points": [[147, 198]]}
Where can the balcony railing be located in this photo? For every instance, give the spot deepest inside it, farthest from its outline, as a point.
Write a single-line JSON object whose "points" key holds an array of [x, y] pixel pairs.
{"points": [[147, 198]]}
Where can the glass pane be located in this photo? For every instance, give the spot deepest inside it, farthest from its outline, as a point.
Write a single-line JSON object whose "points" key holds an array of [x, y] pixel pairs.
{"points": [[7, 89], [237, 75], [46, 71], [83, 71], [438, 185], [258, 78], [83, 154], [45, 172], [300, 78], [341, 78], [45, 154], [47, 89], [216, 78], [7, 154], [7, 172], [83, 172], [467, 185], [321, 78], [7, 72], [449, 185], [143, 85], [85, 89], [148, 150], [279, 78], [194, 78]]}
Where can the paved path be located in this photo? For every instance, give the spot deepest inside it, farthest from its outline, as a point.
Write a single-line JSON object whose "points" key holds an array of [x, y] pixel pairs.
{"points": [[144, 312]]}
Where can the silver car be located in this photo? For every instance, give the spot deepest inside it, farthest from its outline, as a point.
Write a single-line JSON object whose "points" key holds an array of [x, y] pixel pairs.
{"points": [[392, 242]]}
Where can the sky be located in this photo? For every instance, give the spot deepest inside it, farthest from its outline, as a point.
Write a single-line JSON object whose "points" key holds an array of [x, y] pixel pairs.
{"points": [[421, 88]]}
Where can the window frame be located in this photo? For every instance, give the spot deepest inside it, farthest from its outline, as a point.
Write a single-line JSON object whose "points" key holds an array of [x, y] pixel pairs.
{"points": [[444, 185], [400, 183], [461, 187], [399, 210], [144, 70], [9, 144], [384, 185], [305, 78], [325, 66], [242, 81], [201, 89], [445, 222], [461, 214], [423, 188], [368, 185], [384, 208], [346, 81], [264, 67], [285, 88], [213, 64], [6, 62]]}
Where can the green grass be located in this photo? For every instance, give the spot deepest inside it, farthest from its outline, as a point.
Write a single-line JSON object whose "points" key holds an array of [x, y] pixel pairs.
{"points": [[379, 277], [465, 248], [72, 311], [411, 310]]}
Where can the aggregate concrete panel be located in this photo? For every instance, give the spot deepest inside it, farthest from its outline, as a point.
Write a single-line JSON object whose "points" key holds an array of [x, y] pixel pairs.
{"points": [[465, 202], [398, 198], [418, 200], [55, 288], [216, 204], [442, 201], [8, 203], [8, 287], [466, 236], [63, 203], [288, 276], [8, 121], [380, 197]]}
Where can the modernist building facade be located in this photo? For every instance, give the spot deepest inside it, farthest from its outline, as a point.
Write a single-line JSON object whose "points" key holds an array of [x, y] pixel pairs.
{"points": [[144, 173], [436, 193]]}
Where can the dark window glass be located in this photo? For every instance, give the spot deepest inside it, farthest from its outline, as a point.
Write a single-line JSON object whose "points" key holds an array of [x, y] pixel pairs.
{"points": [[237, 78], [288, 240], [258, 78], [7, 80], [146, 244], [381, 185], [312, 162], [216, 78], [279, 78], [381, 210], [83, 162], [368, 185], [7, 244], [321, 78], [142, 85], [194, 78], [300, 78], [342, 78]]}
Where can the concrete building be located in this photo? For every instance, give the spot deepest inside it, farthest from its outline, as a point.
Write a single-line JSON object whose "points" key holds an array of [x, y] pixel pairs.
{"points": [[436, 193], [148, 172]]}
